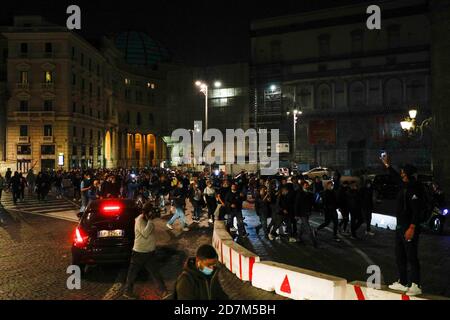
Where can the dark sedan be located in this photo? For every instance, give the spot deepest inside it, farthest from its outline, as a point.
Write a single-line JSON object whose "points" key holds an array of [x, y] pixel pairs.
{"points": [[105, 233]]}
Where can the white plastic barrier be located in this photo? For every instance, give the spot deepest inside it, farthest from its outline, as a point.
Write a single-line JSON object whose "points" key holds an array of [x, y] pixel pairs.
{"points": [[359, 291], [297, 283], [379, 220], [236, 258]]}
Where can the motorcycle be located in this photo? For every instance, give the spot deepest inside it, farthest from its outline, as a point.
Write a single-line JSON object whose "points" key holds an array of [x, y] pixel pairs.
{"points": [[435, 223]]}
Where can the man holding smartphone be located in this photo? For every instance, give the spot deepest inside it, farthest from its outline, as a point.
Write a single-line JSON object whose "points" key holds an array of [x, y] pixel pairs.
{"points": [[409, 203]]}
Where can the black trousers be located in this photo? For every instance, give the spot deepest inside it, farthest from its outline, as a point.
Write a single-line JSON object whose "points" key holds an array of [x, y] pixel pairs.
{"points": [[330, 216], [240, 221], [406, 255], [356, 220], [345, 219], [367, 213], [1, 190], [16, 195], [278, 220], [306, 226], [140, 261]]}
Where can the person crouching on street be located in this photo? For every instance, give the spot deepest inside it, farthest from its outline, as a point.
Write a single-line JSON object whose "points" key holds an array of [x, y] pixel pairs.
{"points": [[144, 253], [179, 200]]}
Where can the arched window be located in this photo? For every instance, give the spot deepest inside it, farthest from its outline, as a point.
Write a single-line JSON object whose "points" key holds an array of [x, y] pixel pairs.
{"points": [[415, 91], [357, 94], [393, 95], [323, 97]]}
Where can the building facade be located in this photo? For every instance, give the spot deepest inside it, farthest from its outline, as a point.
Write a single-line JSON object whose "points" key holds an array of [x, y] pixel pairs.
{"points": [[72, 104], [228, 105], [353, 85]]}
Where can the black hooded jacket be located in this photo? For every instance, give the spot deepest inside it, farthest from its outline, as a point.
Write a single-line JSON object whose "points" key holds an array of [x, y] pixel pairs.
{"points": [[192, 284]]}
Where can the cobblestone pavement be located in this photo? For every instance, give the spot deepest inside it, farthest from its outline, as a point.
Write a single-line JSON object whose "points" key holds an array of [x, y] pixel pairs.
{"points": [[35, 254], [350, 258]]}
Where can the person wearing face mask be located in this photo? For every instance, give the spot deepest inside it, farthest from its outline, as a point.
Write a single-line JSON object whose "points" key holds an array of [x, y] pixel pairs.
{"points": [[329, 207], [199, 279]]}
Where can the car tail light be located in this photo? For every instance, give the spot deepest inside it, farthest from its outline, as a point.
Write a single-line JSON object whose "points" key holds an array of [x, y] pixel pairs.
{"points": [[80, 238], [111, 208]]}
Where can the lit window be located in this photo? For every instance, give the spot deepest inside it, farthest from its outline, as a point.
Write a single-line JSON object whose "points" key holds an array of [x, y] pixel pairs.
{"points": [[24, 77], [48, 77]]}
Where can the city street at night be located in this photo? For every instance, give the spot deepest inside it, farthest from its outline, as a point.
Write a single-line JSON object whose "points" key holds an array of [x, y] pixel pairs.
{"points": [[251, 154]]}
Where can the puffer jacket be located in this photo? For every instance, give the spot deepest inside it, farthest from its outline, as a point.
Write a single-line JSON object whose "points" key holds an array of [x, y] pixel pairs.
{"points": [[192, 284]]}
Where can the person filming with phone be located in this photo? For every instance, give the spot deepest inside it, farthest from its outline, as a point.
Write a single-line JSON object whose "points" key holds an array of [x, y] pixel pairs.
{"points": [[409, 202]]}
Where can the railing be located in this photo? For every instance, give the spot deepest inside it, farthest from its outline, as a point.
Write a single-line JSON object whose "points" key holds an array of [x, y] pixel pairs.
{"points": [[24, 139], [47, 139], [23, 86], [47, 86]]}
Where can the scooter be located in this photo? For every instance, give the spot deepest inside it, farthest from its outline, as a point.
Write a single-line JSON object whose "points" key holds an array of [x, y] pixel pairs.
{"points": [[436, 221]]}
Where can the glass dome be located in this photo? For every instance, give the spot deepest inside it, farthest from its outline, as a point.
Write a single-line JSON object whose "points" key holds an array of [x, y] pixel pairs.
{"points": [[140, 49]]}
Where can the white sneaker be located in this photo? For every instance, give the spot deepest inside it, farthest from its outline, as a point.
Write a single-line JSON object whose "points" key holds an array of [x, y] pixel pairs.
{"points": [[233, 229], [398, 287], [292, 239], [169, 226], [185, 229], [210, 220], [271, 237], [414, 290], [370, 233]]}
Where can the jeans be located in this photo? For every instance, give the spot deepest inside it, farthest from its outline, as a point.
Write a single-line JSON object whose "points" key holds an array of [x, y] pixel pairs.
{"points": [[137, 263], [179, 214], [330, 216], [263, 219], [406, 254], [197, 211], [240, 221], [162, 203]]}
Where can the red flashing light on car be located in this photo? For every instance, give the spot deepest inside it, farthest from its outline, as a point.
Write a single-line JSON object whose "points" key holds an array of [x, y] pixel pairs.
{"points": [[80, 238]]}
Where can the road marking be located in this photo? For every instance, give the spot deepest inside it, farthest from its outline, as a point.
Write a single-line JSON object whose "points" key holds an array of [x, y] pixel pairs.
{"points": [[356, 249], [114, 291]]}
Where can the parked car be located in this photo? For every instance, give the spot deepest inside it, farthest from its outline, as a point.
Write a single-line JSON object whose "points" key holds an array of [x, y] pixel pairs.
{"points": [[321, 172]]}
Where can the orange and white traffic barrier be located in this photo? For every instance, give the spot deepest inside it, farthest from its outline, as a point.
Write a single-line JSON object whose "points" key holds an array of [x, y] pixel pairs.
{"points": [[359, 291], [297, 283]]}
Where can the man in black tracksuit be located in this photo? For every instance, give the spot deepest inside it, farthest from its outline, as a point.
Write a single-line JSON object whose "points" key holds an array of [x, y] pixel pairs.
{"points": [[233, 203], [409, 204], [284, 214]]}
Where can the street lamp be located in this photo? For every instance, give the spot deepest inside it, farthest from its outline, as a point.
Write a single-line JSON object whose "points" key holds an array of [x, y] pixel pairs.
{"points": [[409, 123], [204, 89], [296, 113]]}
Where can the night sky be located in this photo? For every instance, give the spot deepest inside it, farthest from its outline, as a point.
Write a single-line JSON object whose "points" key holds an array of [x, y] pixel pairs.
{"points": [[197, 32]]}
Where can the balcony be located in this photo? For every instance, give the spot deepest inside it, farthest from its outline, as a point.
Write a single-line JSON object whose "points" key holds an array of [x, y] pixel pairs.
{"points": [[32, 115], [47, 139], [47, 86], [23, 86], [24, 139]]}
